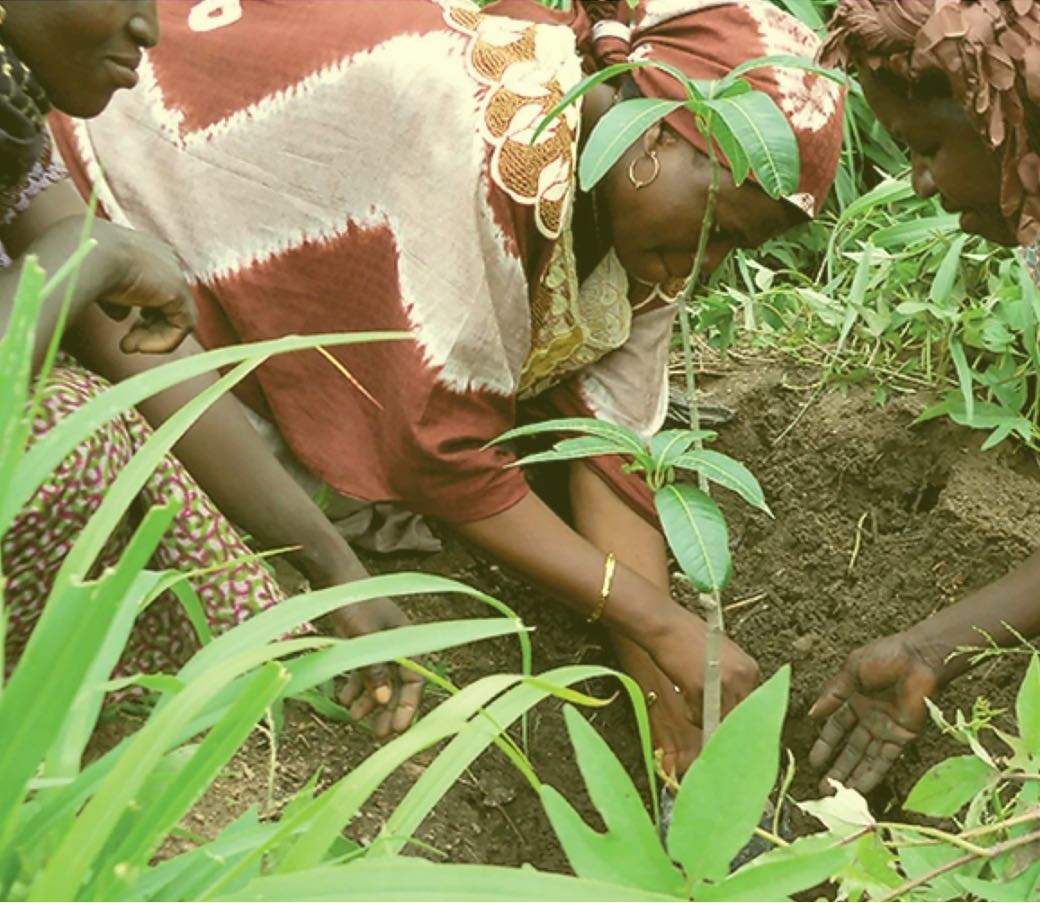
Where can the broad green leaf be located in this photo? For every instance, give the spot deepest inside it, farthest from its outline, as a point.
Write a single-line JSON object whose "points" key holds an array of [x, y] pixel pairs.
{"points": [[1030, 305], [765, 136], [340, 804], [887, 192], [15, 375], [919, 861], [697, 535], [449, 765], [407, 878], [732, 150], [572, 450], [778, 874], [586, 84], [133, 476], [185, 876], [74, 855], [726, 472], [57, 658], [946, 275], [627, 441], [55, 445], [843, 812], [285, 617], [629, 851], [950, 785], [66, 755], [1020, 887], [960, 363], [1027, 708], [723, 796], [617, 130], [906, 233], [142, 832], [417, 639], [668, 445], [786, 61]]}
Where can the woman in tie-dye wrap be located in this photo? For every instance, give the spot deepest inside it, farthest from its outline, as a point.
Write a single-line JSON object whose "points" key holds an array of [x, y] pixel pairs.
{"points": [[370, 165]]}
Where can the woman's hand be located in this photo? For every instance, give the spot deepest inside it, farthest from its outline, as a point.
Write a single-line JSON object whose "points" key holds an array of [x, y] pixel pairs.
{"points": [[874, 707], [145, 274], [679, 652], [392, 692]]}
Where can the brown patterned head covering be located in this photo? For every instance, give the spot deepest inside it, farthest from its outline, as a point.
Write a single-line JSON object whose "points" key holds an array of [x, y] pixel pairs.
{"points": [[708, 38], [989, 50]]}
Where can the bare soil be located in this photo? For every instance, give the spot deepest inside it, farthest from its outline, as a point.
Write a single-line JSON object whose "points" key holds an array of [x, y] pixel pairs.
{"points": [[878, 523]]}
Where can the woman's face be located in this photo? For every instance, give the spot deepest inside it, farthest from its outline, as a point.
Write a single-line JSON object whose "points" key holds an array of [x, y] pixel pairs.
{"points": [[948, 156], [81, 51], [656, 228]]}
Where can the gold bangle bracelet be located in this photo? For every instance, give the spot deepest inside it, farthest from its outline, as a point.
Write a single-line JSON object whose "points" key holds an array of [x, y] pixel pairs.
{"points": [[604, 593]]}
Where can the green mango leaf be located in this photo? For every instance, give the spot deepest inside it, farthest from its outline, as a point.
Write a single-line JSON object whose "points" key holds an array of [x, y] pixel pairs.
{"points": [[732, 150], [726, 472], [668, 445], [843, 812], [781, 872], [617, 130], [696, 533], [786, 61], [573, 449], [627, 441], [1027, 708], [723, 796], [950, 785], [586, 84], [765, 137], [628, 852]]}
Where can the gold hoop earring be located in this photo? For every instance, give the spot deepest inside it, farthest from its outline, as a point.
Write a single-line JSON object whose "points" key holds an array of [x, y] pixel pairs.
{"points": [[638, 183], [3, 14]]}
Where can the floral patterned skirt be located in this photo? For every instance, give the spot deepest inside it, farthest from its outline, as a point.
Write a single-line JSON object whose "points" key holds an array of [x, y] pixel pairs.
{"points": [[200, 538]]}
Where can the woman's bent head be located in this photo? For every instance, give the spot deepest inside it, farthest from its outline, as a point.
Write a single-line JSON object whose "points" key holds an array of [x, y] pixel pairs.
{"points": [[81, 51], [657, 192], [958, 82]]}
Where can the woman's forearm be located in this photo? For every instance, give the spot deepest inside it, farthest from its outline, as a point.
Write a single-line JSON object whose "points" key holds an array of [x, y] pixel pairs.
{"points": [[229, 459], [1012, 602], [51, 249], [531, 538]]}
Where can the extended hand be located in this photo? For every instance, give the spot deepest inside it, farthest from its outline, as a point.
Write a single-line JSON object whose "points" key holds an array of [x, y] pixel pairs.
{"points": [[390, 691], [874, 707], [147, 277]]}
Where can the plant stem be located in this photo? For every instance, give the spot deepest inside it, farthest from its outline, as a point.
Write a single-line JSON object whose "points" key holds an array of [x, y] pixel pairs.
{"points": [[710, 602], [953, 840], [990, 852]]}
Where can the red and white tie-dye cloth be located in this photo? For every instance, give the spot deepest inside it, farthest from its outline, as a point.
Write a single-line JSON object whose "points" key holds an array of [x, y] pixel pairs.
{"points": [[362, 165]]}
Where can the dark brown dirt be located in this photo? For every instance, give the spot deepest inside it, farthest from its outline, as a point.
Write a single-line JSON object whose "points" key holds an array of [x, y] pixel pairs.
{"points": [[935, 518]]}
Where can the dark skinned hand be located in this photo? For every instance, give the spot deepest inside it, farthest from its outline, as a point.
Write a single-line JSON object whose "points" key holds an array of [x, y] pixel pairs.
{"points": [[393, 693], [147, 277], [874, 707]]}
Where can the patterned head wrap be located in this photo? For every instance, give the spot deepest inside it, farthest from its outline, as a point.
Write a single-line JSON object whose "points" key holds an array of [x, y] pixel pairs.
{"points": [[708, 38], [989, 50]]}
